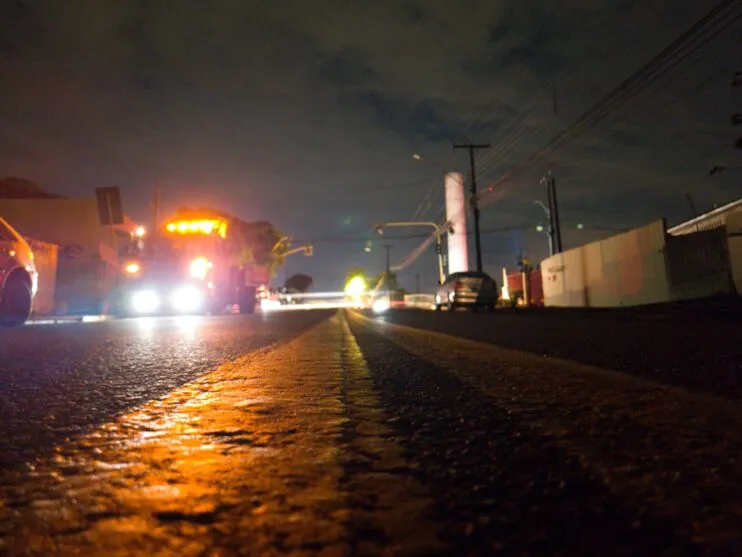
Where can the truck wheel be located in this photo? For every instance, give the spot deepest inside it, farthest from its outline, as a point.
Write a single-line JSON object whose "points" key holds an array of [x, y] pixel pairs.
{"points": [[15, 307]]}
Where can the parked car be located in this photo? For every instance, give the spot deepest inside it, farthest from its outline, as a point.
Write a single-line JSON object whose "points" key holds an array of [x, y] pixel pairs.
{"points": [[18, 277], [467, 289]]}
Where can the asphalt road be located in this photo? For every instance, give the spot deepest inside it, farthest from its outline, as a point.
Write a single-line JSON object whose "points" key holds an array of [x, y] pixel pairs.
{"points": [[323, 433], [59, 380], [690, 347]]}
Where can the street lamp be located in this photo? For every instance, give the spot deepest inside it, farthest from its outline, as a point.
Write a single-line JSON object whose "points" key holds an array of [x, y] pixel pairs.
{"points": [[438, 248]]}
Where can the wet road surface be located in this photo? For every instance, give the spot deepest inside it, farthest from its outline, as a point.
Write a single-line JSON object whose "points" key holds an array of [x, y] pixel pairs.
{"points": [[356, 436], [58, 380]]}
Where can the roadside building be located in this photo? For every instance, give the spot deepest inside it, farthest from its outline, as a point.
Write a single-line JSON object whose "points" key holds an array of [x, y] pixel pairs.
{"points": [[88, 261]]}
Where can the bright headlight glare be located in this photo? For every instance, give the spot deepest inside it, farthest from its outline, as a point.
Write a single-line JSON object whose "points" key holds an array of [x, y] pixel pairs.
{"points": [[187, 298], [199, 268], [145, 301], [380, 306]]}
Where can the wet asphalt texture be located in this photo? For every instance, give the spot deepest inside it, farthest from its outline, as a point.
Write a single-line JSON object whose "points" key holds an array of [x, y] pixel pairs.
{"points": [[57, 381], [375, 436], [695, 348]]}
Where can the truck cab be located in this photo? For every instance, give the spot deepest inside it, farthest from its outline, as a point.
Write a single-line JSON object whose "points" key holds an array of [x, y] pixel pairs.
{"points": [[184, 268]]}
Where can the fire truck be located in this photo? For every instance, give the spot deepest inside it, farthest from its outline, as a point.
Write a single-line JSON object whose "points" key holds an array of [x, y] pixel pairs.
{"points": [[188, 266]]}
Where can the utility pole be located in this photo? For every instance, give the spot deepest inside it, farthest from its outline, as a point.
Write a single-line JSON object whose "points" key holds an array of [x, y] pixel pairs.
{"points": [[471, 147], [388, 271], [555, 228], [156, 209], [387, 247]]}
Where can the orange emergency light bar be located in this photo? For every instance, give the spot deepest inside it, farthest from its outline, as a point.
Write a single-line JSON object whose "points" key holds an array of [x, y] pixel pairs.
{"points": [[198, 227]]}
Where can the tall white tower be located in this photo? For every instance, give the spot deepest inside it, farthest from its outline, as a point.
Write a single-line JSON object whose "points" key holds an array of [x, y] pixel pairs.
{"points": [[458, 248]]}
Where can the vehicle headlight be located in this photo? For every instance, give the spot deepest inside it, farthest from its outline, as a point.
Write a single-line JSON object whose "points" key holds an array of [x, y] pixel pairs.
{"points": [[132, 268], [187, 298], [380, 306], [199, 268], [145, 301]]}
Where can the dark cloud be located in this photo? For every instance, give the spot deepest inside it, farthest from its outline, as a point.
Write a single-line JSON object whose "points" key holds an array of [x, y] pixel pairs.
{"points": [[307, 114], [345, 69]]}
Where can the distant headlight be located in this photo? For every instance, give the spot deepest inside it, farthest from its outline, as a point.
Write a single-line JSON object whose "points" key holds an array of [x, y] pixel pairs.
{"points": [[145, 301], [186, 299]]}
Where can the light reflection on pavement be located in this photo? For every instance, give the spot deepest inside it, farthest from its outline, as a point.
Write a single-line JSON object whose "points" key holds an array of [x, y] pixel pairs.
{"points": [[249, 456], [362, 437]]}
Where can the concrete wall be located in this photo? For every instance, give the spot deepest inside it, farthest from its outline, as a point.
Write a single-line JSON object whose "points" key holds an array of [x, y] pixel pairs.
{"points": [[624, 270], [61, 221], [734, 243]]}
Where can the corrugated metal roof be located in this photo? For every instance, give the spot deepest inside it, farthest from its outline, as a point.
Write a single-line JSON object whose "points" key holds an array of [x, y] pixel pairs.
{"points": [[706, 216]]}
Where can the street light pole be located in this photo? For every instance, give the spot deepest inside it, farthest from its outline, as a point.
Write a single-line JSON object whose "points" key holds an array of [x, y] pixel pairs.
{"points": [[438, 243]]}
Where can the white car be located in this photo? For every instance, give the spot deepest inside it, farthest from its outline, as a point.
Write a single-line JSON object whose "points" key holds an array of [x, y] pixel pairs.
{"points": [[18, 277]]}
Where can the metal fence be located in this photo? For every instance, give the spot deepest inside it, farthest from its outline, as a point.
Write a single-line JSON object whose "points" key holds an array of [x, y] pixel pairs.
{"points": [[699, 261]]}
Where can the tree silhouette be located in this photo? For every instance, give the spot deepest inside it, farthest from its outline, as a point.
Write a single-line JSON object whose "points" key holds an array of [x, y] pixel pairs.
{"points": [[299, 282]]}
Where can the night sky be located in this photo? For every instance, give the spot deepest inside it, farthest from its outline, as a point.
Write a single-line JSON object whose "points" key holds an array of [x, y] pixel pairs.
{"points": [[307, 114]]}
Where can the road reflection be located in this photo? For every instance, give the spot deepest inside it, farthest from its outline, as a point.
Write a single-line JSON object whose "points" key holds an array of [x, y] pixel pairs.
{"points": [[241, 452]]}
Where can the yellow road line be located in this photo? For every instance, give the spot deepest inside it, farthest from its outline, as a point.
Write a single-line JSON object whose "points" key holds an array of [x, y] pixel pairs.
{"points": [[391, 500], [675, 451]]}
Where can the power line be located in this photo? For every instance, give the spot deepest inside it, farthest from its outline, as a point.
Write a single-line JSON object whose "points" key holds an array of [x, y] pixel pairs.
{"points": [[413, 236], [653, 70], [649, 73]]}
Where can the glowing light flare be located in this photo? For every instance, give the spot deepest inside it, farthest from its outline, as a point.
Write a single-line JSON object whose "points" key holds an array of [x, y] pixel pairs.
{"points": [[140, 231], [132, 268], [270, 305], [356, 286], [187, 299], [381, 305], [145, 301], [200, 267], [206, 226]]}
